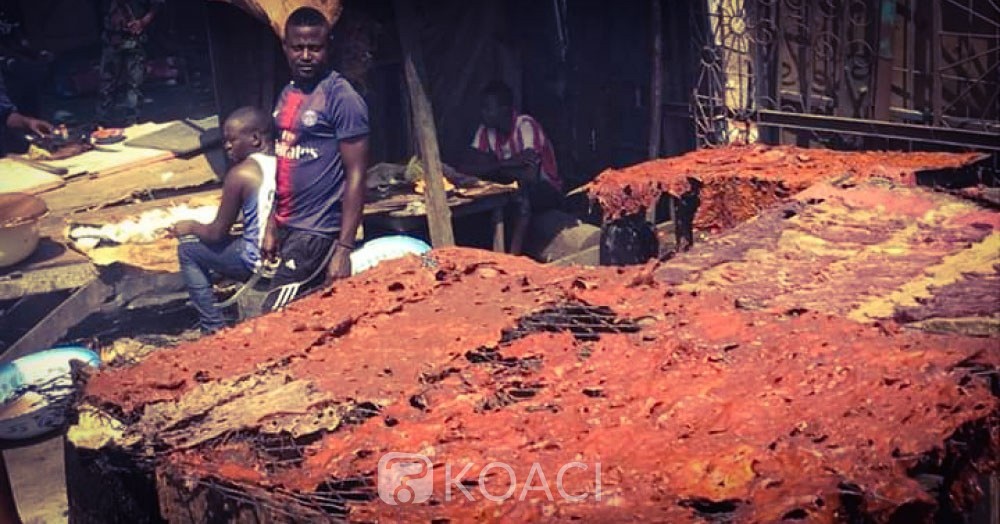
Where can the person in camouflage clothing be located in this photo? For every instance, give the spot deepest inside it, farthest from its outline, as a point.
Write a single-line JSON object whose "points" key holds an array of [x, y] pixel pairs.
{"points": [[123, 58]]}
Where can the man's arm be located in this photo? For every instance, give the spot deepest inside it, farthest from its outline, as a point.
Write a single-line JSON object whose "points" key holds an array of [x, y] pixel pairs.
{"points": [[27, 123], [487, 167], [238, 184], [139, 26], [354, 153], [269, 244], [13, 119]]}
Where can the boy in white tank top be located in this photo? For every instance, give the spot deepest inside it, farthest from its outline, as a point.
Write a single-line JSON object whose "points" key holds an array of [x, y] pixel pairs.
{"points": [[248, 187]]}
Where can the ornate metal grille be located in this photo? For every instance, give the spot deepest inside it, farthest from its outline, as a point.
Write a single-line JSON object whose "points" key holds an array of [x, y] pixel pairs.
{"points": [[845, 72]]}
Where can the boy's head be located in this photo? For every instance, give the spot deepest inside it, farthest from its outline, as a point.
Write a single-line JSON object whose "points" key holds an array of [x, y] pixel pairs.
{"points": [[497, 106], [307, 33], [246, 131]]}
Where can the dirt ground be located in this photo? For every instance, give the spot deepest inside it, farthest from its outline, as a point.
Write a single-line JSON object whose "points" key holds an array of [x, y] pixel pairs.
{"points": [[39, 481]]}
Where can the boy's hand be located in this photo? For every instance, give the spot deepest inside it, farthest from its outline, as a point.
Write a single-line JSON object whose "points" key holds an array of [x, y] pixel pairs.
{"points": [[184, 227]]}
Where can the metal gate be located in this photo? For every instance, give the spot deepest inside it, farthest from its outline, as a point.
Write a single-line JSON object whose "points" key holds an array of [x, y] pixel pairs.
{"points": [[850, 73]]}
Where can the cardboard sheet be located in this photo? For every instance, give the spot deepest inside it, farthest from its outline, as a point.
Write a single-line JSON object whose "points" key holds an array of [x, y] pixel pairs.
{"points": [[183, 137], [115, 157], [16, 177], [159, 256]]}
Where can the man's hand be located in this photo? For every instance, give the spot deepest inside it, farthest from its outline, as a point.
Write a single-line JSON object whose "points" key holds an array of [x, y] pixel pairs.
{"points": [[531, 158], [136, 27], [39, 127], [269, 245], [27, 123], [531, 163], [340, 265]]}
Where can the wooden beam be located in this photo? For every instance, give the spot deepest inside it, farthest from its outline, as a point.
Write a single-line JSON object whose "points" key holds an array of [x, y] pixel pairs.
{"points": [[275, 12], [438, 214], [656, 79], [50, 329], [655, 89]]}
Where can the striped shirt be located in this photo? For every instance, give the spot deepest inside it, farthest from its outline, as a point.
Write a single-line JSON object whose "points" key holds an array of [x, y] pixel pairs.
{"points": [[526, 134]]}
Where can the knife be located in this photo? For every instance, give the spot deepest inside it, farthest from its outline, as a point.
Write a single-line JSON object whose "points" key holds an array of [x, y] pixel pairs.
{"points": [[61, 171]]}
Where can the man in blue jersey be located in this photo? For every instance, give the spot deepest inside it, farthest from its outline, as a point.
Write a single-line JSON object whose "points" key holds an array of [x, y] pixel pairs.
{"points": [[322, 150], [248, 188]]}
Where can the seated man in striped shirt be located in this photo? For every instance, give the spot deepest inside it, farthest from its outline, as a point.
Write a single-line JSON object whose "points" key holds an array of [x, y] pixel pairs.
{"points": [[511, 147]]}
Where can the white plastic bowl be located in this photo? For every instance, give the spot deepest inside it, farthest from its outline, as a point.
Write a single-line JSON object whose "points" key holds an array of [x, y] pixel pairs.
{"points": [[19, 214], [17, 242]]}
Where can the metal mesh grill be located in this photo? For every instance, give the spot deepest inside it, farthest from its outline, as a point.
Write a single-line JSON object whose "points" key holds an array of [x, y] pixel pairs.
{"points": [[277, 450], [585, 322], [328, 503]]}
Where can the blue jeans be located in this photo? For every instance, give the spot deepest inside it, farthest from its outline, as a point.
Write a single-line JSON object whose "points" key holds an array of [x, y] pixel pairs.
{"points": [[198, 261]]}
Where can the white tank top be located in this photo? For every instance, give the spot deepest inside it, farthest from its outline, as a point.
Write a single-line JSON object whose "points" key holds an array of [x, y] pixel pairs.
{"points": [[257, 209]]}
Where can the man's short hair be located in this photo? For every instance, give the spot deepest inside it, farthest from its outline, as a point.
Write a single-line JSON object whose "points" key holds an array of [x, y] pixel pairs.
{"points": [[251, 118], [499, 90], [306, 17]]}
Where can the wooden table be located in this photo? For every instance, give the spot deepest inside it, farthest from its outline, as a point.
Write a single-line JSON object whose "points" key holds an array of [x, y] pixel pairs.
{"points": [[63, 284], [399, 214]]}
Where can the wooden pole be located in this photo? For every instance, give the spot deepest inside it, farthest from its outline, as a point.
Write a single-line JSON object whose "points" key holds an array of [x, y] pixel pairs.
{"points": [[438, 214], [655, 89]]}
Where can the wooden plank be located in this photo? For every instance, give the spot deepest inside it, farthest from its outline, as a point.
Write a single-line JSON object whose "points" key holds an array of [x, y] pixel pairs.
{"points": [[655, 89], [115, 157], [55, 226], [52, 267], [93, 193], [404, 220], [275, 12], [438, 214], [68, 314], [496, 217], [46, 280], [21, 178], [182, 137], [20, 317]]}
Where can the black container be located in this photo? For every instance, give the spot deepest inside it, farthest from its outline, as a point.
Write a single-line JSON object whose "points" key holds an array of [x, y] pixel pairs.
{"points": [[628, 240]]}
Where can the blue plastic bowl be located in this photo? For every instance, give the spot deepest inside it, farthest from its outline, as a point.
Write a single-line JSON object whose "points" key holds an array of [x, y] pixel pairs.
{"points": [[385, 248], [35, 390]]}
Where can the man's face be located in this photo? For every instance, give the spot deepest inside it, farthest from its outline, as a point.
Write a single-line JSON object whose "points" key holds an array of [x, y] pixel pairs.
{"points": [[239, 141], [494, 114], [305, 49]]}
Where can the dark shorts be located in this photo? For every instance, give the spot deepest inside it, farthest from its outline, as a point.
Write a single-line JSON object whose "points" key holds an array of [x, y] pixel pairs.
{"points": [[302, 253], [543, 196], [536, 197]]}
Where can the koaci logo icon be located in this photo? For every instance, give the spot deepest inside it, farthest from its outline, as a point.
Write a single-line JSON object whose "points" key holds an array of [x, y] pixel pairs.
{"points": [[405, 478]]}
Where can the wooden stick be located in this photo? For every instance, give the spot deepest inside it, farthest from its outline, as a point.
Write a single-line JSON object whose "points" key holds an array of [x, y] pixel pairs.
{"points": [[438, 214], [655, 89]]}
